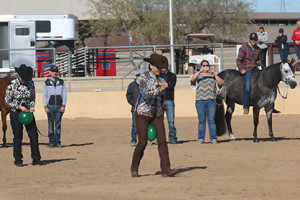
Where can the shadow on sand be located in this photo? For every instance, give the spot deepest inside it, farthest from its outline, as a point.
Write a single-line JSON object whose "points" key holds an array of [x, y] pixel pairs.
{"points": [[179, 171], [47, 144], [267, 139]]}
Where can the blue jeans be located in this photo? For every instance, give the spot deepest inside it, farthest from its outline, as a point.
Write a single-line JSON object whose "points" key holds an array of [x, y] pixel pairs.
{"points": [[247, 82], [133, 128], [284, 54], [54, 116], [297, 48], [170, 105], [206, 109]]}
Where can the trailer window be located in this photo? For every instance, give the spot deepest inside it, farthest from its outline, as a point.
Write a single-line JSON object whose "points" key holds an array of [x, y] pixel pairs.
{"points": [[22, 31], [43, 26]]}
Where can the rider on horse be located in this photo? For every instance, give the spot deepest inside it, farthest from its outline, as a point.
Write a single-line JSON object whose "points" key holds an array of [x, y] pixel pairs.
{"points": [[248, 59]]}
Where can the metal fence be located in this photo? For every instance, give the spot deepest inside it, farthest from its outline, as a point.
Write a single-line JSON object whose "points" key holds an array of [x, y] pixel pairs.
{"points": [[136, 55], [84, 61]]}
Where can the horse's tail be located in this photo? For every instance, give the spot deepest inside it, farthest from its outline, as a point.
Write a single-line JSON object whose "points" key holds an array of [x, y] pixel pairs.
{"points": [[220, 118]]}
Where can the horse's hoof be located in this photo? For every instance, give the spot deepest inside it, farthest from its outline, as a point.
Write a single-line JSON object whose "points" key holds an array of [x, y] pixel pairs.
{"points": [[256, 140]]}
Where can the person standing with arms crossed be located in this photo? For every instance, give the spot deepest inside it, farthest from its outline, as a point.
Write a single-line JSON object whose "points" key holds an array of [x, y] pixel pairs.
{"points": [[20, 96], [283, 47], [54, 99], [168, 101], [148, 110], [131, 96]]}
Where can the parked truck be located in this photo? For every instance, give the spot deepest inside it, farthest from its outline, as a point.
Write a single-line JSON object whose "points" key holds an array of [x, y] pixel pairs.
{"points": [[19, 34]]}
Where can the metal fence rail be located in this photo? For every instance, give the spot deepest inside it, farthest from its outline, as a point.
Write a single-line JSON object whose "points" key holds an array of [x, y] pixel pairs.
{"points": [[135, 56]]}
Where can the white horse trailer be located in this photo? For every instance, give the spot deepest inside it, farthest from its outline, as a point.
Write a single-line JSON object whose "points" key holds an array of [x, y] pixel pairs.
{"points": [[19, 33]]}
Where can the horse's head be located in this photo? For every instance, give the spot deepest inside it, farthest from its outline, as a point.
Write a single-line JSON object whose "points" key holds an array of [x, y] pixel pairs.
{"points": [[287, 74]]}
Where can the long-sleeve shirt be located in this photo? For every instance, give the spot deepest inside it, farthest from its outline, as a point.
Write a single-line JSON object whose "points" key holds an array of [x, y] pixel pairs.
{"points": [[132, 94], [264, 38], [20, 95], [54, 93], [171, 79], [248, 56], [282, 42], [205, 87], [296, 35], [149, 100]]}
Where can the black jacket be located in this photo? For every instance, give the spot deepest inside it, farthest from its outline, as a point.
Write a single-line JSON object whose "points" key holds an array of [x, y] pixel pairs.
{"points": [[281, 40], [132, 94], [171, 80]]}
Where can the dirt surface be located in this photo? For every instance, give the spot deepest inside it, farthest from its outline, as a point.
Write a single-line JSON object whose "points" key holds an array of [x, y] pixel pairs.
{"points": [[96, 156]]}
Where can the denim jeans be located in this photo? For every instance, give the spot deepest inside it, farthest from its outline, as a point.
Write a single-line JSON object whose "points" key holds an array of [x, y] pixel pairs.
{"points": [[297, 48], [247, 82], [284, 54], [170, 105], [206, 110], [54, 116], [133, 128]]}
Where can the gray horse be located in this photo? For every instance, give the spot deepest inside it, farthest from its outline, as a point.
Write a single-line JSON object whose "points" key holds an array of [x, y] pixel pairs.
{"points": [[263, 92]]}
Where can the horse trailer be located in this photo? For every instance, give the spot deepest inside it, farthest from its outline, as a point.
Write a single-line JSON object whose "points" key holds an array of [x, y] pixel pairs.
{"points": [[19, 34]]}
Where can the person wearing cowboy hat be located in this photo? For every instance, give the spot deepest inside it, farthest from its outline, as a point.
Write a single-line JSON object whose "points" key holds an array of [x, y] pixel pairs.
{"points": [[148, 110], [20, 96]]}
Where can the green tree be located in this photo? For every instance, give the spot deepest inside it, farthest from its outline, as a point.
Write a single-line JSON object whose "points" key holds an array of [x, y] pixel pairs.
{"points": [[227, 19]]}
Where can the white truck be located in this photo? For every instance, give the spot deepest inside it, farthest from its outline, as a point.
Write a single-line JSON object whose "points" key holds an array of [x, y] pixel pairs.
{"points": [[23, 31]]}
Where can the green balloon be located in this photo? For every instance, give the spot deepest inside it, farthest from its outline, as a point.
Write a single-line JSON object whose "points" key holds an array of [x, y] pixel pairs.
{"points": [[25, 117], [151, 132]]}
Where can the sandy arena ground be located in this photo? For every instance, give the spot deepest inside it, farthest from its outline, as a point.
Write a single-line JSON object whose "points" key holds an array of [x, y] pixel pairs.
{"points": [[96, 156]]}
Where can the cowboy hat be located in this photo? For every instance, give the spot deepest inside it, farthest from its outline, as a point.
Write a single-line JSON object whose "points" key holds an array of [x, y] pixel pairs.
{"points": [[159, 61], [25, 72]]}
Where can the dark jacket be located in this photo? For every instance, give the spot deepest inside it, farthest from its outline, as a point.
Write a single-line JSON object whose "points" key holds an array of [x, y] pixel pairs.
{"points": [[132, 94], [248, 57], [281, 40], [171, 79]]}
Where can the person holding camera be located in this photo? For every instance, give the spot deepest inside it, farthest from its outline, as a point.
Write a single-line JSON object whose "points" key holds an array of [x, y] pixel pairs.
{"points": [[205, 79]]}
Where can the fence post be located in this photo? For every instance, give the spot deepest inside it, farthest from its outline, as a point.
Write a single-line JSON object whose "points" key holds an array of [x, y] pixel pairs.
{"points": [[85, 66], [70, 68], [222, 64]]}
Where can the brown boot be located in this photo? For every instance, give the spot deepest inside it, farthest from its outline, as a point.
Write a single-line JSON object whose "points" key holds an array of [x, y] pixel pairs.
{"points": [[134, 174], [246, 111], [170, 173]]}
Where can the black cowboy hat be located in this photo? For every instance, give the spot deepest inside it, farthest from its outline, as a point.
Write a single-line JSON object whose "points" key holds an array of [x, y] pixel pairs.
{"points": [[159, 61], [25, 72]]}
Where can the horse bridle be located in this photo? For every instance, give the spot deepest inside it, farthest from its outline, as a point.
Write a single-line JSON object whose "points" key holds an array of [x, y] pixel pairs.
{"points": [[285, 80]]}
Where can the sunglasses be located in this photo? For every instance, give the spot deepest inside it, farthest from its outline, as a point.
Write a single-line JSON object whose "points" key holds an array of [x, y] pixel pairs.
{"points": [[205, 65], [261, 28]]}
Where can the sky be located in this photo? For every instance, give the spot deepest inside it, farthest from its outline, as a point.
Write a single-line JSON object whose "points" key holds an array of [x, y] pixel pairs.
{"points": [[274, 5]]}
